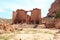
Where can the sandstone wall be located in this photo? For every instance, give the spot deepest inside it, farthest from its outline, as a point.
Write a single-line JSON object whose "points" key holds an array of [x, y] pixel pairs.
{"points": [[14, 16], [20, 16], [35, 15]]}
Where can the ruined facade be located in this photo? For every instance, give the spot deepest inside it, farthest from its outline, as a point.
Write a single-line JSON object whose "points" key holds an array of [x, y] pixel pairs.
{"points": [[20, 16], [28, 19], [14, 16], [35, 16], [55, 6]]}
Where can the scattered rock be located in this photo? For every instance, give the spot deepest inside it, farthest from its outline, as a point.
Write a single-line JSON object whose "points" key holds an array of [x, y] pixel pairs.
{"points": [[6, 27]]}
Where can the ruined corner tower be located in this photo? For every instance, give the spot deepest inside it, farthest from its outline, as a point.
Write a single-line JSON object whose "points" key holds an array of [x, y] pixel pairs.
{"points": [[36, 16], [19, 16]]}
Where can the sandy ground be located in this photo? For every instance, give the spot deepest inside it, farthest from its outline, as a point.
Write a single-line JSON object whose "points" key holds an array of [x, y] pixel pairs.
{"points": [[31, 34]]}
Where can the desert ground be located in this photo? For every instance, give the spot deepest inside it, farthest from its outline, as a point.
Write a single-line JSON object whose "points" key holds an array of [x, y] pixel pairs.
{"points": [[31, 34]]}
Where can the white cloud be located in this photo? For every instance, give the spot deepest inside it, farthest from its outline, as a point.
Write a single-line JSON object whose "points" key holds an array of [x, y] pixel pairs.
{"points": [[44, 5], [2, 10], [28, 4], [29, 13]]}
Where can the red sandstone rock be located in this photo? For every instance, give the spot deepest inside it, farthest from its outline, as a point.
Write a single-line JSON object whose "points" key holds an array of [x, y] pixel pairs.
{"points": [[53, 24], [57, 23], [50, 24], [6, 27], [1, 26], [54, 6]]}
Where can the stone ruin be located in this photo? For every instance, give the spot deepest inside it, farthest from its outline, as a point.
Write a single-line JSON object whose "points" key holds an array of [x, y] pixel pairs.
{"points": [[36, 16], [20, 16]]}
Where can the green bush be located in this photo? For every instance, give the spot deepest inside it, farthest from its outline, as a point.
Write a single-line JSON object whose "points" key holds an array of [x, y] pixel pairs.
{"points": [[57, 14]]}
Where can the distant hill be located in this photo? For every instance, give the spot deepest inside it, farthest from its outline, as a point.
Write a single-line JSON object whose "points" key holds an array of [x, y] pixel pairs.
{"points": [[3, 20]]}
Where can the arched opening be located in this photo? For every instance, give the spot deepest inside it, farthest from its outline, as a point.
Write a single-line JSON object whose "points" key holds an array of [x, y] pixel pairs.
{"points": [[28, 17], [29, 13]]}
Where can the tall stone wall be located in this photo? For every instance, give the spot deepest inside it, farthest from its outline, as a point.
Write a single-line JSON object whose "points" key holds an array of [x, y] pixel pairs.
{"points": [[14, 16], [20, 16], [35, 16]]}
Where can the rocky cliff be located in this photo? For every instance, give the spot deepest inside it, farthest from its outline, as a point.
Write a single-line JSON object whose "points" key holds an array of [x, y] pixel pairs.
{"points": [[55, 6]]}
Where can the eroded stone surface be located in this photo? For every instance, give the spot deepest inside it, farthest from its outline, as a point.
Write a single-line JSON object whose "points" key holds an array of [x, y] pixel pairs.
{"points": [[20, 16], [55, 6]]}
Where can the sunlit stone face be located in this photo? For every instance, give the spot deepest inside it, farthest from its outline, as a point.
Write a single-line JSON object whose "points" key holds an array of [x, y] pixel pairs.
{"points": [[57, 0]]}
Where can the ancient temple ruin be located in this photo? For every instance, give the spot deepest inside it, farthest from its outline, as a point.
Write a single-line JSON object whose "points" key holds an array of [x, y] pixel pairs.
{"points": [[20, 16], [36, 16]]}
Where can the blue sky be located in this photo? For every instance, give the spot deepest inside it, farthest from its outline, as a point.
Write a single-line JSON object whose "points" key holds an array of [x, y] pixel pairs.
{"points": [[7, 6]]}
